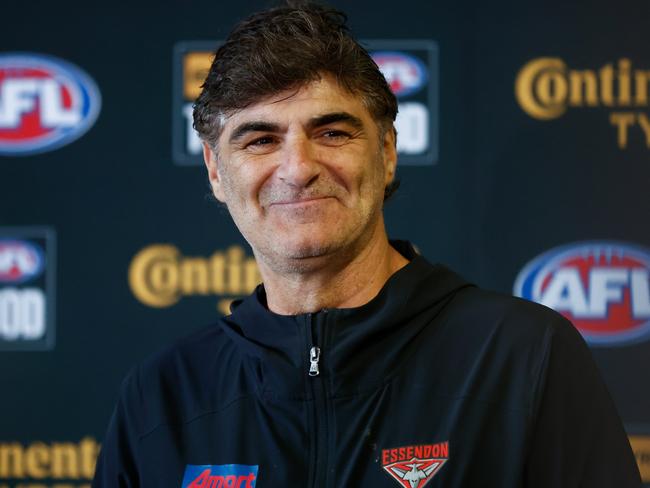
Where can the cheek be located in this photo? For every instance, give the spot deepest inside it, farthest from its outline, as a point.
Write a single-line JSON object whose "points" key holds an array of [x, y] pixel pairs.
{"points": [[357, 171], [227, 188], [372, 174], [242, 187]]}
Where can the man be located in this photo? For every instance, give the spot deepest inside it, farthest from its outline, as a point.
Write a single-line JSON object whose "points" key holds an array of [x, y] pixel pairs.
{"points": [[357, 363]]}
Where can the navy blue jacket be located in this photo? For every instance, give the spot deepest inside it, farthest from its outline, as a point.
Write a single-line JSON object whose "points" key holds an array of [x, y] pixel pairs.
{"points": [[434, 382]]}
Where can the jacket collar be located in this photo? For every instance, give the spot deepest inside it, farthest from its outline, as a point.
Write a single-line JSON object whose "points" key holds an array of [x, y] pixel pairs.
{"points": [[361, 348]]}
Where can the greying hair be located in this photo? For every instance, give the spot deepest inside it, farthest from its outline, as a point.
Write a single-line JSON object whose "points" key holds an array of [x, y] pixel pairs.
{"points": [[284, 48]]}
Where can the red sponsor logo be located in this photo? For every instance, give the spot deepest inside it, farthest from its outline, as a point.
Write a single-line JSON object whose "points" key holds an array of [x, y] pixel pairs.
{"points": [[415, 466], [207, 480]]}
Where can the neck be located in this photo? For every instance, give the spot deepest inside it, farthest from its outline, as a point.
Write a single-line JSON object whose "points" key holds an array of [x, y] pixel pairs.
{"points": [[338, 282]]}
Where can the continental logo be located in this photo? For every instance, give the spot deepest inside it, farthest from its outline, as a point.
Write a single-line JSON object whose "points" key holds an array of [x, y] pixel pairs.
{"points": [[159, 275], [641, 447], [546, 88], [41, 464]]}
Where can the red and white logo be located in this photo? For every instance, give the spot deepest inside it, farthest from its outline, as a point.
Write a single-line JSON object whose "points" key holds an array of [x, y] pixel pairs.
{"points": [[603, 287], [404, 73], [45, 103], [20, 261], [415, 466]]}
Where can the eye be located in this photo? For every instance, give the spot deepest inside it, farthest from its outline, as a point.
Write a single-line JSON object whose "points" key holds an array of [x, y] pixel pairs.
{"points": [[334, 137], [261, 141], [261, 144]]}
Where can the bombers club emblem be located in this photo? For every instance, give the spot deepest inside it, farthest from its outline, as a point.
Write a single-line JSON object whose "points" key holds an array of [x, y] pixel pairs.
{"points": [[45, 103], [602, 287], [415, 466]]}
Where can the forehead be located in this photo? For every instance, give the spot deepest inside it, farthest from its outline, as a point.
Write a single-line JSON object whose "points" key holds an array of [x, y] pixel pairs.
{"points": [[315, 98]]}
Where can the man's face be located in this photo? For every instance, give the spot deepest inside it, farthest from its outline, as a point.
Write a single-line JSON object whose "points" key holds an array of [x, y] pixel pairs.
{"points": [[303, 174]]}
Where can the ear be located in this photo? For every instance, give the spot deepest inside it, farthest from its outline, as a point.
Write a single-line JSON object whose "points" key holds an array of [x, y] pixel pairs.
{"points": [[390, 153], [210, 157]]}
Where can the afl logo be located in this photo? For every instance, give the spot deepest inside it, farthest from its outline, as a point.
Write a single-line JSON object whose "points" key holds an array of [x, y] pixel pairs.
{"points": [[602, 287], [45, 103], [20, 261], [405, 74]]}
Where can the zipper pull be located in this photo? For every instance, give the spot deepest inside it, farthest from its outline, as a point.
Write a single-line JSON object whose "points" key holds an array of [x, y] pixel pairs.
{"points": [[314, 357]]}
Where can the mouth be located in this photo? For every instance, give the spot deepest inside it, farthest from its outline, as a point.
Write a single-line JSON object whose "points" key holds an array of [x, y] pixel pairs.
{"points": [[300, 201]]}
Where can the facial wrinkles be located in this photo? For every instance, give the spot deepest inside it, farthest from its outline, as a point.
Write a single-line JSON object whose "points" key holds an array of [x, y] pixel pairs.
{"points": [[350, 178], [279, 193], [324, 185]]}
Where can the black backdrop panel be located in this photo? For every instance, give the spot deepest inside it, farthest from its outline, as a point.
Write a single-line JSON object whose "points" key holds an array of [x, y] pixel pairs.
{"points": [[540, 139]]}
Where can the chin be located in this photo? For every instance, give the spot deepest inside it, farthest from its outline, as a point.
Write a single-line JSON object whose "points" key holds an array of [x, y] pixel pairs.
{"points": [[309, 248], [304, 252], [306, 249]]}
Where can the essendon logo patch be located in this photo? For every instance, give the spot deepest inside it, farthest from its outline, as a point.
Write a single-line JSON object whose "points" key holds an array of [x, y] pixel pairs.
{"points": [[415, 466], [220, 476]]}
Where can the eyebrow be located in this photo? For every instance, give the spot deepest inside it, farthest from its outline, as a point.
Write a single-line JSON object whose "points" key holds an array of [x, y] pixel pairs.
{"points": [[335, 117], [255, 126], [318, 121]]}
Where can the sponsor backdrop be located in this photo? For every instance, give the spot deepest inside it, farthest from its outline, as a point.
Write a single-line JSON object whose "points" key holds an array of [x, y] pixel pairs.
{"points": [[524, 141]]}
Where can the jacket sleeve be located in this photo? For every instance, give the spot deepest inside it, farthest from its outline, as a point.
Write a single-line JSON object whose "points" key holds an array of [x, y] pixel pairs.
{"points": [[578, 440], [117, 465]]}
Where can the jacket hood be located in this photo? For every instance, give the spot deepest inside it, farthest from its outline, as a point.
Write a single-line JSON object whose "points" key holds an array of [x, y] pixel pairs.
{"points": [[361, 347]]}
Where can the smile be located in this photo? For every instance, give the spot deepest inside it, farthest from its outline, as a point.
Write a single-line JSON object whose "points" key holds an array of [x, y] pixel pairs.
{"points": [[301, 201]]}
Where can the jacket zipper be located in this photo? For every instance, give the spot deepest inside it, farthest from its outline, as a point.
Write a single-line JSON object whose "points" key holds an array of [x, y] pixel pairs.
{"points": [[319, 412], [314, 358]]}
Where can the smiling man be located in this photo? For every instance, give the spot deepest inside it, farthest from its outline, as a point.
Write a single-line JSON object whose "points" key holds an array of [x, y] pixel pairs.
{"points": [[356, 363], [303, 173]]}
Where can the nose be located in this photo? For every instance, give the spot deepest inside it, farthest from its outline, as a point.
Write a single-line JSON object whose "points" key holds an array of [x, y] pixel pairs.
{"points": [[299, 166]]}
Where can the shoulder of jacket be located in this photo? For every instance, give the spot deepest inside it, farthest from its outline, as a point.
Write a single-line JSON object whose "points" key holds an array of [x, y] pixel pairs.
{"points": [[180, 382], [522, 320], [189, 349]]}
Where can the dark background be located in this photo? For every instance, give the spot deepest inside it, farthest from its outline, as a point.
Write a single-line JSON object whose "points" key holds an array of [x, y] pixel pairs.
{"points": [[506, 187]]}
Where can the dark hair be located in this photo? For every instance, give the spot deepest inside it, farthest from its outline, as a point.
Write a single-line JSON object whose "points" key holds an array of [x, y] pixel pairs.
{"points": [[286, 47]]}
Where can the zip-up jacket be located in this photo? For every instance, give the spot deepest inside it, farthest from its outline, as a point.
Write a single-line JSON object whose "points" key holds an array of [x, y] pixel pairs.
{"points": [[433, 382]]}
